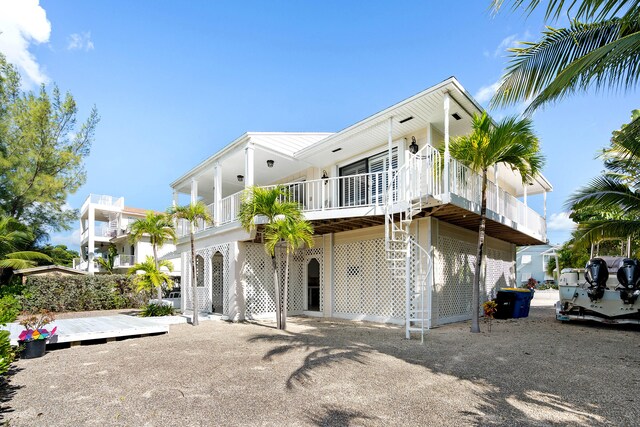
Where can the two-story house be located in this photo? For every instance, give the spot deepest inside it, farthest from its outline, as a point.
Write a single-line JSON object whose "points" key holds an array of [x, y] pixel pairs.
{"points": [[105, 221], [395, 218]]}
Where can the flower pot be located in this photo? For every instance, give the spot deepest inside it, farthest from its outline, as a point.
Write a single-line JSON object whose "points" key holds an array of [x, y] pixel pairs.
{"points": [[33, 349]]}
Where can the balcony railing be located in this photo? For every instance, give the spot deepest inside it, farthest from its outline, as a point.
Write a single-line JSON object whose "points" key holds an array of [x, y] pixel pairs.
{"points": [[100, 199], [421, 177], [124, 260]]}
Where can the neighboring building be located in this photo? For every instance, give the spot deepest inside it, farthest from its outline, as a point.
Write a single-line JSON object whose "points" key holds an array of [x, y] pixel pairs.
{"points": [[390, 246], [532, 261], [47, 270], [105, 221]]}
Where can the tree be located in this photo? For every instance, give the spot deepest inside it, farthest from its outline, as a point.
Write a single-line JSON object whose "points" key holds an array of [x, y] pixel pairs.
{"points": [[602, 52], [194, 214], [293, 233], [152, 275], [15, 236], [108, 262], [609, 206], [41, 153], [272, 204], [159, 228], [59, 254], [511, 142]]}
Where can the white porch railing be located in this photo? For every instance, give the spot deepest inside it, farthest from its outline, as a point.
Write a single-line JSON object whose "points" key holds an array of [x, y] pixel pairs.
{"points": [[124, 260], [100, 199]]}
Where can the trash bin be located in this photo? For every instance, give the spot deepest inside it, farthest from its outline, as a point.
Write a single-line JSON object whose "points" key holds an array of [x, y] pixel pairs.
{"points": [[505, 302], [521, 301]]}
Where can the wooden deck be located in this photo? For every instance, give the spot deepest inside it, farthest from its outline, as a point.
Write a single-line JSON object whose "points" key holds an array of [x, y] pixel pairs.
{"points": [[76, 330]]}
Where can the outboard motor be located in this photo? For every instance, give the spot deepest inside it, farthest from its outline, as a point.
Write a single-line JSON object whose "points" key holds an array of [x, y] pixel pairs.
{"points": [[629, 279], [596, 273]]}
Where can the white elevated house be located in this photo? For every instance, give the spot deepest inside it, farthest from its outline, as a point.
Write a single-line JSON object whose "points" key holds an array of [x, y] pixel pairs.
{"points": [[392, 244], [105, 221]]}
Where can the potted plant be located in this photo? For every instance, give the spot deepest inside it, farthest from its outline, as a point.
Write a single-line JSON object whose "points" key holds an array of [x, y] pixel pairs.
{"points": [[34, 337], [490, 308]]}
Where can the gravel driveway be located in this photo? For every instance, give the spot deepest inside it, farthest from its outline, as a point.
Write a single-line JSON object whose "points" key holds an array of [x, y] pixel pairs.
{"points": [[533, 371]]}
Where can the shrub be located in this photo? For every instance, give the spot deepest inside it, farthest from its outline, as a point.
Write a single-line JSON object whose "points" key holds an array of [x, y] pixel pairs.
{"points": [[155, 309], [7, 353], [80, 293], [9, 309]]}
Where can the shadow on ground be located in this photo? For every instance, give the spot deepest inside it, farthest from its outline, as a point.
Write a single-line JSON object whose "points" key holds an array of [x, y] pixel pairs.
{"points": [[7, 391], [532, 371]]}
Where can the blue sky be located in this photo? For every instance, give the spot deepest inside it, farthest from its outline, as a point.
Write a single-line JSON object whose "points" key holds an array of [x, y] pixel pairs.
{"points": [[174, 81]]}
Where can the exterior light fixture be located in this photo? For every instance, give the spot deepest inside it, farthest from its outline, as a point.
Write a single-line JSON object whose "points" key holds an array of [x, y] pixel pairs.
{"points": [[324, 174], [270, 163], [413, 148], [240, 178]]}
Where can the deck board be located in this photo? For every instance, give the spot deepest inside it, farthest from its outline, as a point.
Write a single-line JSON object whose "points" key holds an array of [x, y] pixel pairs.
{"points": [[93, 328]]}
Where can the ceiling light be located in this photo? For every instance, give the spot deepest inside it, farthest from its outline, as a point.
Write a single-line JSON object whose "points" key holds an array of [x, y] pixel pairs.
{"points": [[270, 163], [240, 178]]}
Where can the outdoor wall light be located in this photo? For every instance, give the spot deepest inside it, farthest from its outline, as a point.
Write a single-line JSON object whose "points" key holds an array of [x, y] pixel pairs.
{"points": [[413, 148], [270, 163], [325, 176], [240, 178]]}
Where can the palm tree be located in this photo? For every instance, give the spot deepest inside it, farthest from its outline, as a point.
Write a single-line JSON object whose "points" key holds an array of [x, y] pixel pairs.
{"points": [[609, 206], [108, 263], [293, 233], [194, 214], [511, 142], [15, 236], [151, 276], [601, 52], [159, 228], [272, 204]]}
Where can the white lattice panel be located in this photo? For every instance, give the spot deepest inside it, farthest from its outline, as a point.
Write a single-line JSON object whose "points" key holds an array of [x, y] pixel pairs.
{"points": [[363, 283], [257, 271], [499, 272], [215, 279], [455, 261]]}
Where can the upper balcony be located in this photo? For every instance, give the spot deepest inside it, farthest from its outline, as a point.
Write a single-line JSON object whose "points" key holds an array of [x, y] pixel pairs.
{"points": [[104, 201], [342, 180]]}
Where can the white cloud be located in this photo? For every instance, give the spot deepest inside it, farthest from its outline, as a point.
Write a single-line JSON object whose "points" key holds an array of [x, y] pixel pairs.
{"points": [[71, 240], [486, 92], [507, 42], [80, 41], [22, 23], [560, 222]]}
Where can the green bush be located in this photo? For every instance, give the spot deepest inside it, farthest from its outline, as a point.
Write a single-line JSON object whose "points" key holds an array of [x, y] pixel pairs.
{"points": [[7, 353], [80, 293], [9, 309], [154, 310]]}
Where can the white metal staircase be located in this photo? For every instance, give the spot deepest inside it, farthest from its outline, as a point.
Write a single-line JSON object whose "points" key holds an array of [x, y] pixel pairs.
{"points": [[407, 260]]}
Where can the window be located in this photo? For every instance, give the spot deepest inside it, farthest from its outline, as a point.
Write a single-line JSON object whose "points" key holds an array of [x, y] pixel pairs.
{"points": [[526, 259], [367, 180]]}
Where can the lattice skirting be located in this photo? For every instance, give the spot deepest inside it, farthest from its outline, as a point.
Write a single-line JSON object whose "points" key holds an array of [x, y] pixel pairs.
{"points": [[454, 271], [363, 284], [257, 274], [212, 279]]}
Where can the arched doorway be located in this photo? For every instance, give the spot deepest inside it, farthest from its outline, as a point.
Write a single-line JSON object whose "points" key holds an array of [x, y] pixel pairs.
{"points": [[217, 283], [313, 284]]}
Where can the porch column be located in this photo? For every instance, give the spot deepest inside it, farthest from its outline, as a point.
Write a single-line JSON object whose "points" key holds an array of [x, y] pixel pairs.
{"points": [[194, 191], [389, 168], [217, 192], [447, 156], [174, 202], [91, 226], [544, 204], [249, 165], [525, 194], [495, 174]]}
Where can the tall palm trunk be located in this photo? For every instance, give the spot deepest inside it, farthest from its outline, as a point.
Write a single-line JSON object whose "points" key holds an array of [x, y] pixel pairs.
{"points": [[276, 286], [284, 294], [475, 295], [155, 258], [194, 295]]}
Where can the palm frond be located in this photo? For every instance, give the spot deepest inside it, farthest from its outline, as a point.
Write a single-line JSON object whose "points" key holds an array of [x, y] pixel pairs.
{"points": [[605, 192], [590, 232], [585, 9]]}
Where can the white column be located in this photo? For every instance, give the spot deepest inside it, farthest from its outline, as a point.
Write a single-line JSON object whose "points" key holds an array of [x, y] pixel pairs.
{"points": [[174, 203], [92, 239], [447, 156], [544, 198], [217, 192], [194, 191], [390, 148], [249, 165], [495, 178], [525, 193]]}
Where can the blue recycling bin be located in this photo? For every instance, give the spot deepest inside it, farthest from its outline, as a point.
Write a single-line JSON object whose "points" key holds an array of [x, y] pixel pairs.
{"points": [[521, 300]]}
